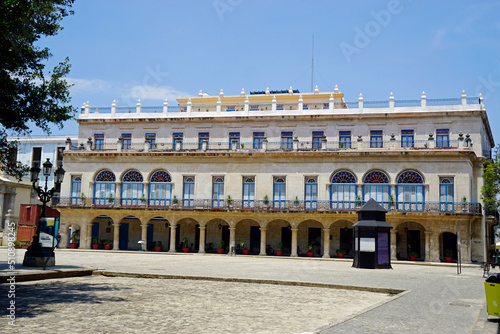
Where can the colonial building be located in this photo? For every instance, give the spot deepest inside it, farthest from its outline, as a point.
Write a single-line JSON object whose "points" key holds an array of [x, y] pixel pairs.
{"points": [[277, 170]]}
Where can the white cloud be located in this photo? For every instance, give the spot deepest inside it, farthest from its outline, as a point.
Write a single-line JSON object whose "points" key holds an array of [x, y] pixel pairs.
{"points": [[152, 92]]}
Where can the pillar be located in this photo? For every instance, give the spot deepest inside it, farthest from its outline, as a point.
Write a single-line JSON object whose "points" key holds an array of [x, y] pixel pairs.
{"points": [[427, 235], [116, 236], [232, 236], [326, 242], [144, 236], [85, 236], [202, 240], [393, 244], [63, 230], [294, 242], [173, 227], [1, 210], [263, 241]]}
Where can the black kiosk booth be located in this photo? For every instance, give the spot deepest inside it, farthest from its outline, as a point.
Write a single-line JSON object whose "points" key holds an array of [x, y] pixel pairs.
{"points": [[372, 242]]}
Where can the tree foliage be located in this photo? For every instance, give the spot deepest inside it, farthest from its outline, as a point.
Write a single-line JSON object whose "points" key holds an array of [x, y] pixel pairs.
{"points": [[27, 92], [491, 187]]}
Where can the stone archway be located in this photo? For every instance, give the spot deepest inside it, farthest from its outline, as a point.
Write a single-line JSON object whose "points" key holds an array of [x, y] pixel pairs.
{"points": [[101, 232], [130, 233], [70, 236], [158, 234], [310, 236], [448, 245], [217, 229], [411, 239], [341, 234], [187, 235], [248, 232], [279, 233]]}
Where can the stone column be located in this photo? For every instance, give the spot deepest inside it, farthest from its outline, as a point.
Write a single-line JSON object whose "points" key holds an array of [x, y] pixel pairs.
{"points": [[427, 235], [263, 241], [173, 227], [86, 236], [294, 242], [116, 236], [232, 235], [202, 240], [1, 210], [393, 244], [326, 242], [144, 236], [63, 230]]}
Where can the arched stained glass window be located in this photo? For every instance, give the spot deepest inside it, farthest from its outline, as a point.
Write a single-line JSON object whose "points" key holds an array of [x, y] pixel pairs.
{"points": [[376, 186], [104, 188], [160, 189], [105, 176], [410, 191], [343, 191], [343, 176], [132, 176], [410, 176], [132, 188], [376, 176], [160, 176]]}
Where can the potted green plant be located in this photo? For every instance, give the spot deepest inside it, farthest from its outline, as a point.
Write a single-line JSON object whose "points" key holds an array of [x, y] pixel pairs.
{"points": [[391, 202], [448, 255], [220, 249], [229, 201], [111, 199], [412, 256], [244, 248], [18, 244], [82, 199], [359, 202], [158, 247], [464, 204], [266, 202], [296, 202], [95, 243], [75, 238], [310, 252], [108, 245], [279, 249], [175, 201], [185, 245], [143, 199], [341, 252]]}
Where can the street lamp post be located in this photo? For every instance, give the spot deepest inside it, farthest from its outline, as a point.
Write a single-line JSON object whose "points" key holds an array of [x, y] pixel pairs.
{"points": [[36, 255]]}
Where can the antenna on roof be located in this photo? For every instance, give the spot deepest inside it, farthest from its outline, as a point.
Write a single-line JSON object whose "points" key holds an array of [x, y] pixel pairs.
{"points": [[312, 65]]}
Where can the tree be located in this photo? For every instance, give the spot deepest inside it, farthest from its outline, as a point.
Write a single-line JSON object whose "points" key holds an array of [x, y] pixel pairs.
{"points": [[27, 93], [491, 187]]}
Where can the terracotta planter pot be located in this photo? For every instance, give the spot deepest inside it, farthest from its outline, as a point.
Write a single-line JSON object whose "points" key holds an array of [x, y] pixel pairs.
{"points": [[310, 254], [340, 255], [413, 258], [95, 246], [108, 247], [448, 259], [246, 251], [220, 250], [73, 245], [158, 249], [185, 249], [279, 253]]}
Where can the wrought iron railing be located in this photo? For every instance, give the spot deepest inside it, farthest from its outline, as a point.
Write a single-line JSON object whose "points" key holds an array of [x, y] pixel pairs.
{"points": [[313, 206]]}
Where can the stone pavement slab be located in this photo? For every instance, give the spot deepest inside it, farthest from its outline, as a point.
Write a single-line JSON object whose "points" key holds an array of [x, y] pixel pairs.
{"points": [[437, 299]]}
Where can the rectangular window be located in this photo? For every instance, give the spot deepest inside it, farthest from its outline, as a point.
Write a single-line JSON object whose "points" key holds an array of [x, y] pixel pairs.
{"points": [[344, 139], [286, 140], [376, 139], [234, 140], [258, 139], [202, 137], [317, 137], [446, 197], [188, 192], [407, 138], [76, 190], [99, 141], [442, 138], [36, 157], [152, 140], [126, 141], [248, 192], [311, 193], [343, 196], [177, 139], [218, 192], [279, 193]]}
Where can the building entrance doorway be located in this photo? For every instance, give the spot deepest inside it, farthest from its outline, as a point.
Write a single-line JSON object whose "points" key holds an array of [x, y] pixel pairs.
{"points": [[255, 239]]}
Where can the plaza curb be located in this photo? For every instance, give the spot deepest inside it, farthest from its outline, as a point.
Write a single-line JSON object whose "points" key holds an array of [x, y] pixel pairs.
{"points": [[45, 274]]}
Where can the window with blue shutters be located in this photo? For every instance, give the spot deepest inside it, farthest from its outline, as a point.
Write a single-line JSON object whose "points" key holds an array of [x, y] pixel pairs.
{"points": [[151, 137], [286, 140], [99, 141], [442, 138], [407, 138], [410, 191], [279, 193], [344, 139], [202, 137], [258, 139], [76, 189], [218, 192], [188, 192], [446, 194], [160, 189], [234, 140], [376, 186], [317, 137], [177, 140], [126, 141], [343, 190], [132, 188], [104, 188], [248, 192], [311, 193], [376, 139]]}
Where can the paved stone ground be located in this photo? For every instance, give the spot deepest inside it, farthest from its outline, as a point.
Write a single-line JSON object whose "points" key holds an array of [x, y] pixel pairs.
{"points": [[437, 299]]}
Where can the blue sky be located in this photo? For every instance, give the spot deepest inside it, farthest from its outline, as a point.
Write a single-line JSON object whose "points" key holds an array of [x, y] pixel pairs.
{"points": [[124, 50]]}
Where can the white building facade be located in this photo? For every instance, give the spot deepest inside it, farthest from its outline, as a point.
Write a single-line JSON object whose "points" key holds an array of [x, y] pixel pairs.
{"points": [[278, 170]]}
